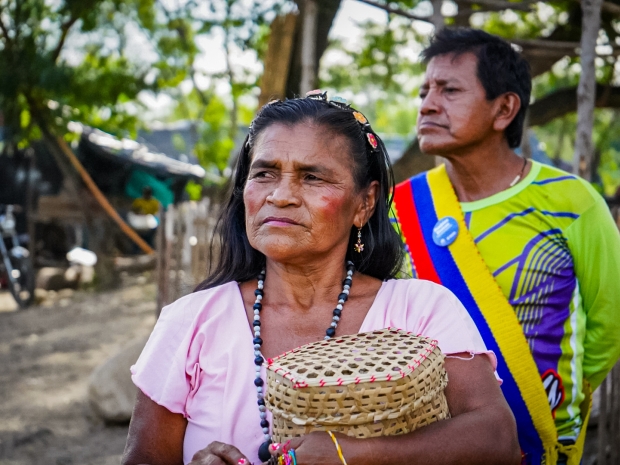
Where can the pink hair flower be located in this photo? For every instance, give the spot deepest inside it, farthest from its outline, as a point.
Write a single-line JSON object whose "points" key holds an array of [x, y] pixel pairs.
{"points": [[372, 140]]}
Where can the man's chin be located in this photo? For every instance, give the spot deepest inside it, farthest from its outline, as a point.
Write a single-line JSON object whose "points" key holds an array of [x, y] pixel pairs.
{"points": [[434, 148]]}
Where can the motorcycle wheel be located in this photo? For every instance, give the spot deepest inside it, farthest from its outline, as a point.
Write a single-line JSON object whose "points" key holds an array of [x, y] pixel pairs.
{"points": [[22, 286]]}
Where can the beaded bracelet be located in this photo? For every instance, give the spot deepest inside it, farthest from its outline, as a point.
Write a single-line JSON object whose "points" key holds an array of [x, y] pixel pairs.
{"points": [[338, 449]]}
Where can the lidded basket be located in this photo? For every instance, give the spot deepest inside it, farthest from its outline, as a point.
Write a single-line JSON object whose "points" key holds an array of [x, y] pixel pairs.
{"points": [[380, 383]]}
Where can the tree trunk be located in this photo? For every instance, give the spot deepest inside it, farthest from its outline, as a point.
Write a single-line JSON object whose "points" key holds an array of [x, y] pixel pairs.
{"points": [[437, 19], [278, 58], [326, 12], [308, 48], [586, 92]]}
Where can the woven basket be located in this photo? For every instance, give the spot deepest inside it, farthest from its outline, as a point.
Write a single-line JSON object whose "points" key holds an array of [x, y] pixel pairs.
{"points": [[380, 383]]}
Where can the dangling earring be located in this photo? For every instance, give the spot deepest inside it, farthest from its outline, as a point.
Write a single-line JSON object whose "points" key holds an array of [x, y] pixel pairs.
{"points": [[359, 247]]}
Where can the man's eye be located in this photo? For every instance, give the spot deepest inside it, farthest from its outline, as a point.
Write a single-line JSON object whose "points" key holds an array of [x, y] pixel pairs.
{"points": [[451, 90], [311, 177], [422, 95], [260, 174]]}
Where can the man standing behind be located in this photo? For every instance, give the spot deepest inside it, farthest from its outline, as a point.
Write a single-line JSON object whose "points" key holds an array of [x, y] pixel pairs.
{"points": [[531, 251]]}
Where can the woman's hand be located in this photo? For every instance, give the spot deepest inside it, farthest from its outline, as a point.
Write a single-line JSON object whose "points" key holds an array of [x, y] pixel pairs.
{"points": [[218, 453], [315, 448]]}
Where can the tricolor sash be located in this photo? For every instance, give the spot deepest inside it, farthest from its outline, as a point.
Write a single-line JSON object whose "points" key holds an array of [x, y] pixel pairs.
{"points": [[419, 204]]}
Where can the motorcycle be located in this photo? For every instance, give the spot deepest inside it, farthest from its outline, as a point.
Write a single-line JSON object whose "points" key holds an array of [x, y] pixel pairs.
{"points": [[16, 270]]}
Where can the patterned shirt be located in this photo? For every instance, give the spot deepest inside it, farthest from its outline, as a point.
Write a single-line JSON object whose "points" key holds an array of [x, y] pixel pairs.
{"points": [[554, 250]]}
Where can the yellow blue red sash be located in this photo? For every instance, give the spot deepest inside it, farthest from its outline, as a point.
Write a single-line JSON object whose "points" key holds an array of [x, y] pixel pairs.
{"points": [[419, 204]]}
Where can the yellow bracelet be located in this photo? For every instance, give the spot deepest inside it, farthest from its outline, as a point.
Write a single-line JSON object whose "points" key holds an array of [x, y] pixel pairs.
{"points": [[338, 449]]}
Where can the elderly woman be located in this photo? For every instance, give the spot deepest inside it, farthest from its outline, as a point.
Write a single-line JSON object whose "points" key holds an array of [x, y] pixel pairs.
{"points": [[307, 252]]}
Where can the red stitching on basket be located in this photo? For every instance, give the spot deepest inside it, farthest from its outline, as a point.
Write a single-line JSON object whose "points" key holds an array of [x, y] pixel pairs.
{"points": [[322, 383], [372, 379], [340, 381]]}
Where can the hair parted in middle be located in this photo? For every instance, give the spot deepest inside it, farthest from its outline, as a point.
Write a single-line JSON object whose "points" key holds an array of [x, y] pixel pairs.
{"points": [[501, 68], [238, 261]]}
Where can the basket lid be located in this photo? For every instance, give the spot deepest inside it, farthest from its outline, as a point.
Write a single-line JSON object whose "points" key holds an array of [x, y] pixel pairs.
{"points": [[381, 355]]}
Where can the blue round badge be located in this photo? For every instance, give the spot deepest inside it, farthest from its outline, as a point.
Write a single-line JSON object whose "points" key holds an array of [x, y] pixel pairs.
{"points": [[445, 231]]}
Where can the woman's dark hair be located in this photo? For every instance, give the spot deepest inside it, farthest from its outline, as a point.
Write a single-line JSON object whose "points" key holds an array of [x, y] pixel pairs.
{"points": [[501, 69], [238, 261]]}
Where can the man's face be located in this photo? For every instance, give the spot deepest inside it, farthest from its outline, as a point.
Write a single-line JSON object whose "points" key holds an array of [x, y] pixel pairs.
{"points": [[455, 114]]}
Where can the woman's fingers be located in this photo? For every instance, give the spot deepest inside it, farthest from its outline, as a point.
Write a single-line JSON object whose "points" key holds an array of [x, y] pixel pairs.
{"points": [[278, 448], [218, 453]]}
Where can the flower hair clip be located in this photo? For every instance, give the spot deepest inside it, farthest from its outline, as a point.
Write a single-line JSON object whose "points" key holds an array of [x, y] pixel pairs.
{"points": [[372, 140], [317, 94], [341, 103]]}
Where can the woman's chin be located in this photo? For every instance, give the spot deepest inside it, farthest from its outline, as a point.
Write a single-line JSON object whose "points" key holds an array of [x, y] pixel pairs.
{"points": [[282, 251]]}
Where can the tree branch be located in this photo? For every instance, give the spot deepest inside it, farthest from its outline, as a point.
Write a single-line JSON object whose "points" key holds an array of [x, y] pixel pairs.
{"points": [[546, 44], [498, 5], [397, 11], [564, 101], [5, 33], [63, 37], [610, 7]]}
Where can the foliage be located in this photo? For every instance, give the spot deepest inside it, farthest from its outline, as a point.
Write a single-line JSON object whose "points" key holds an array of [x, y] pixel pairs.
{"points": [[40, 85], [377, 73], [242, 28], [365, 72]]}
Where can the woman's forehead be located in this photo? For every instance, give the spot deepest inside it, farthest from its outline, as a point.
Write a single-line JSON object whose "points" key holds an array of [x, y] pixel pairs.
{"points": [[305, 141]]}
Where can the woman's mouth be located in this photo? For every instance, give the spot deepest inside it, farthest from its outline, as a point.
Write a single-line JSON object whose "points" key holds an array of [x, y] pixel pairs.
{"points": [[279, 221]]}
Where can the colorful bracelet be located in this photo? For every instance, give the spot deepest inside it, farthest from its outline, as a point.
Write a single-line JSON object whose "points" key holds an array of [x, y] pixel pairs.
{"points": [[288, 458], [338, 449]]}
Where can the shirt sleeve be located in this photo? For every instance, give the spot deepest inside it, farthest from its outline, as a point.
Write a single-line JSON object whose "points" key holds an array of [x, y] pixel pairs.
{"points": [[167, 369], [594, 242]]}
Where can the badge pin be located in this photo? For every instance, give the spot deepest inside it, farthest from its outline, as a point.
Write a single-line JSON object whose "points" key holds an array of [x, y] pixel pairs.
{"points": [[445, 231]]}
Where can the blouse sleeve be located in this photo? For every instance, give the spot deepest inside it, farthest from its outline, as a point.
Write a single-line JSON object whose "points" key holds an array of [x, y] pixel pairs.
{"points": [[444, 318], [167, 369]]}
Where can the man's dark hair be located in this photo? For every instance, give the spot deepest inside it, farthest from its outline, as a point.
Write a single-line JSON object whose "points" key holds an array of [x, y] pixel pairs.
{"points": [[501, 69], [238, 261]]}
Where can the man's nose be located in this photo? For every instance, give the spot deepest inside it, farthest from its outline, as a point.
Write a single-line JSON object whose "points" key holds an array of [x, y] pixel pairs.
{"points": [[285, 193], [430, 103]]}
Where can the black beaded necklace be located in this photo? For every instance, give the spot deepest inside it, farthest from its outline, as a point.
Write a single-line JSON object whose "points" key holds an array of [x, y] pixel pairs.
{"points": [[263, 451]]}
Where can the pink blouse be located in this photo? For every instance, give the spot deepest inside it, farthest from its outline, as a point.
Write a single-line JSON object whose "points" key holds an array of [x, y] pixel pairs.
{"points": [[199, 360]]}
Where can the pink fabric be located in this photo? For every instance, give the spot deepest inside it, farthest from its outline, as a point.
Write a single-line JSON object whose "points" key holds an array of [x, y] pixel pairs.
{"points": [[199, 360]]}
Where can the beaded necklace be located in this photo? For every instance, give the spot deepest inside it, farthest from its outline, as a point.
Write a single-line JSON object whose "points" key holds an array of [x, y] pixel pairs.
{"points": [[263, 451]]}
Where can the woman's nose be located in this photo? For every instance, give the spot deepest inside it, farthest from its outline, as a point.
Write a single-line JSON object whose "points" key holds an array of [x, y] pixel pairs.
{"points": [[286, 193]]}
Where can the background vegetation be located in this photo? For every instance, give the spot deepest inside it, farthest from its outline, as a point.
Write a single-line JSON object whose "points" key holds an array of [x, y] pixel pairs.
{"points": [[120, 64]]}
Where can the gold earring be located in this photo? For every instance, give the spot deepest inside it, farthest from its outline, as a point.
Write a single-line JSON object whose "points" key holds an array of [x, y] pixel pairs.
{"points": [[359, 247]]}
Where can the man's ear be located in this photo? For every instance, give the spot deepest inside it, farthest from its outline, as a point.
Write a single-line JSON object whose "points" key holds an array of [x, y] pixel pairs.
{"points": [[506, 108], [368, 204]]}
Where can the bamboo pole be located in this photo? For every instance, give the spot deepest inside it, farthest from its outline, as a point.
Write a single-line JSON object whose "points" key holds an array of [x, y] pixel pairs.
{"points": [[586, 91], [103, 201], [602, 425], [613, 417]]}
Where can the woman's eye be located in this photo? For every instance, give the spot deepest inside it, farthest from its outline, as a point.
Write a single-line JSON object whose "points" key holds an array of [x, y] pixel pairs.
{"points": [[422, 95], [451, 90], [260, 174]]}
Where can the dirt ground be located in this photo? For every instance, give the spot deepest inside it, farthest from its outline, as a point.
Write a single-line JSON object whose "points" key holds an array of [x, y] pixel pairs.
{"points": [[47, 354]]}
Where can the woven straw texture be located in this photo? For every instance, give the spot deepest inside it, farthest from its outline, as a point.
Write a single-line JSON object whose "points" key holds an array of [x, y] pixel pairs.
{"points": [[380, 383]]}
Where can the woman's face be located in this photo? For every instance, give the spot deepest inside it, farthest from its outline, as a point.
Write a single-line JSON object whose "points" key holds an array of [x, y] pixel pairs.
{"points": [[300, 197]]}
